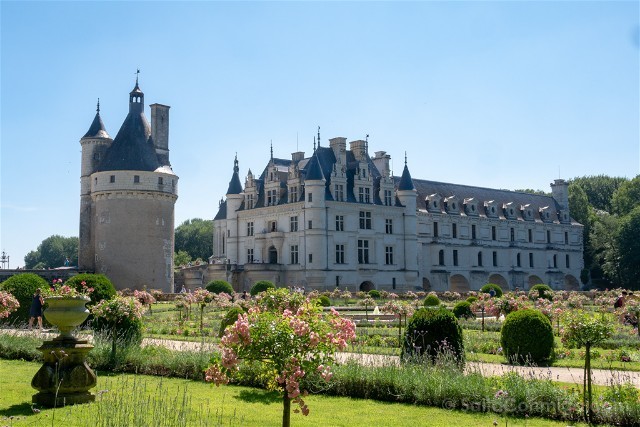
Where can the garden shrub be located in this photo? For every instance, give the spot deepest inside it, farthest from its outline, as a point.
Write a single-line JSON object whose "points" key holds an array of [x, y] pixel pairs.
{"points": [[541, 291], [102, 286], [261, 286], [220, 286], [462, 309], [229, 319], [375, 294], [527, 337], [431, 301], [472, 299], [487, 288], [22, 287], [432, 333], [324, 301]]}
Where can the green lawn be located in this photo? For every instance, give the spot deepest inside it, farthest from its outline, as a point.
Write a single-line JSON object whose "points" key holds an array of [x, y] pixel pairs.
{"points": [[154, 401]]}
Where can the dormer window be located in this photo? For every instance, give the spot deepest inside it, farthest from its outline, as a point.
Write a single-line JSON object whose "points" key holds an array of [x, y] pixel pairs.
{"points": [[527, 212], [433, 202], [491, 208], [545, 213], [509, 210], [471, 206], [451, 204]]}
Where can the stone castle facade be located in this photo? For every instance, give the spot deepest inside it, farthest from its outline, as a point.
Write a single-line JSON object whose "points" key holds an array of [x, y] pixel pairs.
{"points": [[127, 199], [341, 219]]}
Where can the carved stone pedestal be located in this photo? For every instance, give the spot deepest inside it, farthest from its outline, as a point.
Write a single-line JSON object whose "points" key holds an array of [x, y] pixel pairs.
{"points": [[64, 378]]}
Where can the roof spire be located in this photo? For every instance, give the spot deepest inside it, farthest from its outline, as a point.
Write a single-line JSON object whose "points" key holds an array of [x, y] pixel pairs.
{"points": [[272, 150], [137, 73], [314, 144], [98, 107], [236, 169], [366, 143], [405, 158], [318, 136]]}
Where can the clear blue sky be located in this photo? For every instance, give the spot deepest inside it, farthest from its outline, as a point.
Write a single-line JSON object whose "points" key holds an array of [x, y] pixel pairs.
{"points": [[495, 94]]}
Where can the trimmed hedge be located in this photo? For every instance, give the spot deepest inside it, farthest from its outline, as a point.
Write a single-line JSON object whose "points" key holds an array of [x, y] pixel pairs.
{"points": [[487, 288], [542, 290], [102, 286], [431, 301], [261, 286], [375, 294], [220, 286], [527, 337], [23, 287], [462, 309], [324, 301], [432, 332]]}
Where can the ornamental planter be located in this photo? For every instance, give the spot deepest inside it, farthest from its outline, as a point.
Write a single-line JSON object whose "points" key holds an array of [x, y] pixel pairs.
{"points": [[66, 313], [64, 378]]}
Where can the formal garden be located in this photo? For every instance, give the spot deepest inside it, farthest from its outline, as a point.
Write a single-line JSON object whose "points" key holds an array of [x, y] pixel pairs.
{"points": [[282, 357]]}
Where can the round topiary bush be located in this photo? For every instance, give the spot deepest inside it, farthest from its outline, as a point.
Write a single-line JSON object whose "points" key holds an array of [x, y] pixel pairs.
{"points": [[541, 291], [472, 299], [527, 337], [496, 288], [433, 333], [431, 301], [374, 294], [462, 309], [261, 286], [324, 301], [102, 286], [229, 319], [22, 287], [220, 286]]}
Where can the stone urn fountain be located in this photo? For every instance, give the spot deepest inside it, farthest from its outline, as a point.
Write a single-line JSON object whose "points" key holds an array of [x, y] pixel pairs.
{"points": [[64, 378]]}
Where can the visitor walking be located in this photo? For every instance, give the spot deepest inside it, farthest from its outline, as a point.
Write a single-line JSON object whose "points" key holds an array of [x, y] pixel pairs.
{"points": [[35, 312]]}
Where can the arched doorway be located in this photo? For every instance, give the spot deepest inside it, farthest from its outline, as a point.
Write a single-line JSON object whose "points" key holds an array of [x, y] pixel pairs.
{"points": [[426, 284], [273, 255], [499, 280], [459, 283], [571, 283], [534, 280], [366, 286]]}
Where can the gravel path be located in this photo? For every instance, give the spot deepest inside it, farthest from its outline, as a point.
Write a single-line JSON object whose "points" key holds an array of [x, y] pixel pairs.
{"points": [[567, 375]]}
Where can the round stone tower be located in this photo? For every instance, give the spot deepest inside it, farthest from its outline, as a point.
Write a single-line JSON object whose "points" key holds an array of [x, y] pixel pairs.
{"points": [[127, 201]]}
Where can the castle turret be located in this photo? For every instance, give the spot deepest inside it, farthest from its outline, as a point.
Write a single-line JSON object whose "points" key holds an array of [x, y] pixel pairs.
{"points": [[235, 197], [129, 233], [407, 195], [94, 144]]}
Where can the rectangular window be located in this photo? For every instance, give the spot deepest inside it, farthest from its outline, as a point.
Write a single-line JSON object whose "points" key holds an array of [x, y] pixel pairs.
{"points": [[388, 255], [363, 252], [479, 259], [136, 179], [365, 220], [293, 223], [273, 226], [388, 226], [310, 225], [339, 254], [367, 195], [249, 256], [473, 231], [393, 282], [293, 194], [435, 229], [387, 197], [495, 258], [339, 223], [441, 257], [269, 199], [160, 180], [548, 236], [455, 257], [566, 261], [250, 228], [338, 190], [555, 261], [361, 194], [112, 178], [294, 254], [530, 235], [310, 197], [250, 201], [513, 235], [493, 232], [310, 258], [531, 259], [454, 230], [566, 238], [518, 261]]}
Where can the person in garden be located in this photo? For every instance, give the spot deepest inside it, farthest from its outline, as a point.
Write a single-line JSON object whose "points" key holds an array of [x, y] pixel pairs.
{"points": [[620, 301], [35, 312]]}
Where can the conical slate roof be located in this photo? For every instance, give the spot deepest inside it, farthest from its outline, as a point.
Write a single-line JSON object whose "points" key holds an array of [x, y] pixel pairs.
{"points": [[97, 129], [133, 148], [406, 183], [313, 169], [235, 187]]}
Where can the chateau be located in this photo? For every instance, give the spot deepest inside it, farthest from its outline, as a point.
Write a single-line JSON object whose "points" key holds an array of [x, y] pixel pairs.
{"points": [[340, 219], [127, 198]]}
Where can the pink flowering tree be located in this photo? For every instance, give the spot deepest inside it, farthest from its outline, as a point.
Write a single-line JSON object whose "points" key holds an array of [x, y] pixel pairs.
{"points": [[400, 310], [202, 297], [145, 298], [8, 304], [291, 335], [115, 312]]}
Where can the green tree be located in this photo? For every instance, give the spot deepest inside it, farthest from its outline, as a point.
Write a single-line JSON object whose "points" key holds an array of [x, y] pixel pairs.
{"points": [[531, 191], [53, 252], [628, 245], [195, 237], [181, 258], [626, 197], [581, 211], [599, 189], [604, 246]]}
